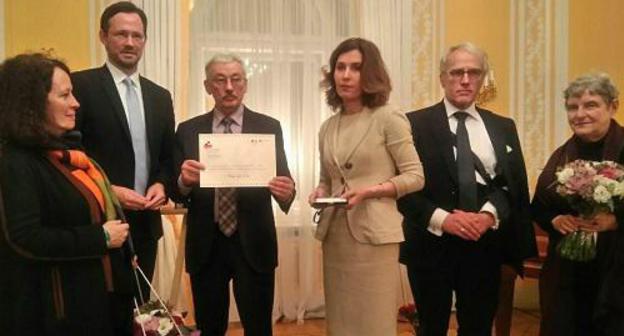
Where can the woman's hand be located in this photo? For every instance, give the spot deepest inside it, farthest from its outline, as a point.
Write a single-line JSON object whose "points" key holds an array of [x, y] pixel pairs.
{"points": [[600, 223], [566, 224], [318, 192], [355, 197], [117, 233]]}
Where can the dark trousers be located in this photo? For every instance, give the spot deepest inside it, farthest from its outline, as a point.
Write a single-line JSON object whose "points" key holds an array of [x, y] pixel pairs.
{"points": [[146, 257], [253, 291], [472, 271]]}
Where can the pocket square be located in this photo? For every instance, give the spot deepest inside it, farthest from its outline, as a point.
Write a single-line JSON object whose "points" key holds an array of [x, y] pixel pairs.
{"points": [[509, 149]]}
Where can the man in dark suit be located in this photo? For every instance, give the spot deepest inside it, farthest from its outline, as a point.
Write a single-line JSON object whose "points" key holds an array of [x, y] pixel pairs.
{"points": [[127, 126], [231, 231], [473, 214]]}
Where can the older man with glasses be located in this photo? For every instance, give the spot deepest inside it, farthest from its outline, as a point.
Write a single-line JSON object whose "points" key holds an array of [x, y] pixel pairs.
{"points": [[473, 214], [231, 231]]}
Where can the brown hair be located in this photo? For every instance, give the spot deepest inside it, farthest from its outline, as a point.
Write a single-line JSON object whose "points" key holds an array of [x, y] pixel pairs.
{"points": [[121, 7], [25, 81], [374, 78]]}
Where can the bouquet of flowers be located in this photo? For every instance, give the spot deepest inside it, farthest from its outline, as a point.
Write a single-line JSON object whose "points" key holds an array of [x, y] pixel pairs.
{"points": [[590, 188], [152, 319], [409, 314]]}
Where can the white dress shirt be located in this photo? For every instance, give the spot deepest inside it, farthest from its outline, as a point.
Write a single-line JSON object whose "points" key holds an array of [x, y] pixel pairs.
{"points": [[118, 78]]}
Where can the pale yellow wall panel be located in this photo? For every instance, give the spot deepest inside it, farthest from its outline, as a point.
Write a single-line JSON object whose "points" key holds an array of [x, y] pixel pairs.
{"points": [[485, 23], [596, 43], [62, 25]]}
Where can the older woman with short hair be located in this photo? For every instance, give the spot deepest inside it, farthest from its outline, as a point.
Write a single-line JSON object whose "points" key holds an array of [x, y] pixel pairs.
{"points": [[60, 236], [568, 289], [368, 158]]}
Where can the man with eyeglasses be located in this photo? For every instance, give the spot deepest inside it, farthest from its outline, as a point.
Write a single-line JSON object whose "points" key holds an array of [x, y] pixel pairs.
{"points": [[231, 231], [127, 126], [473, 214]]}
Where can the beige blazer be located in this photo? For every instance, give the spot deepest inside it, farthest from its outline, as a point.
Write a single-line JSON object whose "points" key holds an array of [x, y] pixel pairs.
{"points": [[383, 151]]}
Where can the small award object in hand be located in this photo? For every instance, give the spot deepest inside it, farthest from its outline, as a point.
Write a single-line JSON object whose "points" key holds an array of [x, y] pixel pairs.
{"points": [[323, 202]]}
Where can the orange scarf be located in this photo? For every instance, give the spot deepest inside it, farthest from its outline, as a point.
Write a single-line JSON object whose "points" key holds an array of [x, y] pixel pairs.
{"points": [[90, 176]]}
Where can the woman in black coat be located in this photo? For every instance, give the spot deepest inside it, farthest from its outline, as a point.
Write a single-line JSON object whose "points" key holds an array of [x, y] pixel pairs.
{"points": [[60, 237], [569, 290]]}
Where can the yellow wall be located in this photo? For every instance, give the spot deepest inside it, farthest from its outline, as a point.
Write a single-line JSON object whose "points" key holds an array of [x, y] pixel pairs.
{"points": [[485, 23], [595, 40], [62, 25]]}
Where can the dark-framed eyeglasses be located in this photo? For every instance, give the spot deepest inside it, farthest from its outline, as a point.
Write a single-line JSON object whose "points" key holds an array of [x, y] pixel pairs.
{"points": [[473, 73]]}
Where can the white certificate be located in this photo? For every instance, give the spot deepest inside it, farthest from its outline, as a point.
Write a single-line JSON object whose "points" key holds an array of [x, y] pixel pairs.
{"points": [[236, 160]]}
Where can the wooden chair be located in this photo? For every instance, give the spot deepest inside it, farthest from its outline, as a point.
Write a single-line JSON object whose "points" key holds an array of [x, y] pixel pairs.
{"points": [[532, 269]]}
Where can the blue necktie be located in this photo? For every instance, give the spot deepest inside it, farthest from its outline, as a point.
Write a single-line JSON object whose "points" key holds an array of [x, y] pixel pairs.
{"points": [[139, 138], [465, 166]]}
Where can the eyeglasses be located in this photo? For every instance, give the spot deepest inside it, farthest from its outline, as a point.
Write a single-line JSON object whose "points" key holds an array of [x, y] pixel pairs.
{"points": [[236, 81], [124, 35], [473, 74]]}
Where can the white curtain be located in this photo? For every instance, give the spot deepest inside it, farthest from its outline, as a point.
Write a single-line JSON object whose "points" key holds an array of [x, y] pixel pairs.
{"points": [[284, 44]]}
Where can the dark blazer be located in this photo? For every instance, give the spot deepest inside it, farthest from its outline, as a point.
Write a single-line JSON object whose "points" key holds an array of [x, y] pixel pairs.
{"points": [[256, 224], [106, 136], [434, 142]]}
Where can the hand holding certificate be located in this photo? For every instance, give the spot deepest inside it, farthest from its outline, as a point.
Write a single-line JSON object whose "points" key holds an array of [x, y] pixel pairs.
{"points": [[236, 160]]}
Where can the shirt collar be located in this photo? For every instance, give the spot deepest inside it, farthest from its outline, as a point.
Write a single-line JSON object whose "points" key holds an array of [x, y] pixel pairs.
{"points": [[237, 116], [119, 76], [451, 109]]}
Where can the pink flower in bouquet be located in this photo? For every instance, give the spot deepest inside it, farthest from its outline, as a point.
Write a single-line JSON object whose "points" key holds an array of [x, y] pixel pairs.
{"points": [[590, 188], [155, 321], [581, 184], [409, 313], [611, 172]]}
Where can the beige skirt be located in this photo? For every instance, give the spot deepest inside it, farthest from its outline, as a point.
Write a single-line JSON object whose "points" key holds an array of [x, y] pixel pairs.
{"points": [[360, 283]]}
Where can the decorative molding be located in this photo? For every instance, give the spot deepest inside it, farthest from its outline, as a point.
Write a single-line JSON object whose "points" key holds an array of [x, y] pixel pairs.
{"points": [[428, 31], [561, 59], [2, 23], [538, 63]]}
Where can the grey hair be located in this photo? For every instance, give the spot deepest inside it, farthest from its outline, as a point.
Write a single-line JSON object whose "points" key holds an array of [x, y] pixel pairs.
{"points": [[594, 83], [470, 48], [224, 58]]}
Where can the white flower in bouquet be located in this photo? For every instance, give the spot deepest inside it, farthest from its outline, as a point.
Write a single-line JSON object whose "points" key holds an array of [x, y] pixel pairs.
{"points": [[607, 182], [618, 191], [143, 318], [564, 175], [165, 326], [601, 194]]}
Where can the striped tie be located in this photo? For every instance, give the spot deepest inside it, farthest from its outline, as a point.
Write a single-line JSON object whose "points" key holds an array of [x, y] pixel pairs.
{"points": [[226, 199]]}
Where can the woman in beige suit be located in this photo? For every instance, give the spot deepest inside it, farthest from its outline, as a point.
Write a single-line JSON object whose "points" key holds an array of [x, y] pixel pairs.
{"points": [[367, 157]]}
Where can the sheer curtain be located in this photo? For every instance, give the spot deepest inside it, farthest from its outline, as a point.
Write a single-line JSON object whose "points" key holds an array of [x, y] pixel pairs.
{"points": [[284, 44]]}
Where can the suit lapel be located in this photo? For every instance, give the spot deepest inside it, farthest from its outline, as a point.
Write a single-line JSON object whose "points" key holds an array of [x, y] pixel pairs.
{"points": [[249, 125], [113, 95], [150, 115], [497, 137], [368, 114], [204, 127], [443, 138]]}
